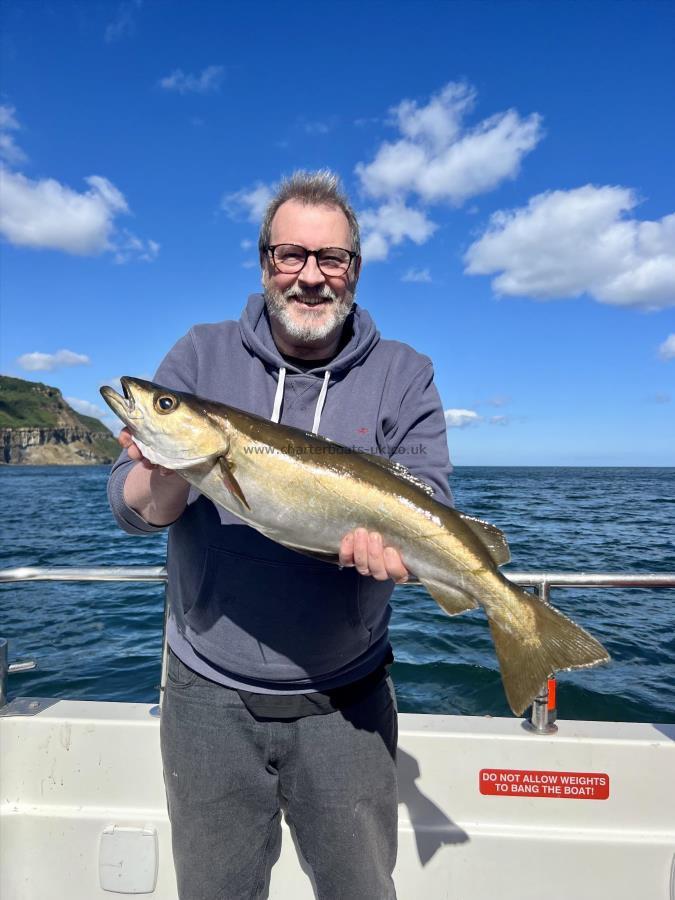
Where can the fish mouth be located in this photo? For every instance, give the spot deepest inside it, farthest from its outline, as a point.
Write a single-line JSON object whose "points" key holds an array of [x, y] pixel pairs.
{"points": [[123, 405]]}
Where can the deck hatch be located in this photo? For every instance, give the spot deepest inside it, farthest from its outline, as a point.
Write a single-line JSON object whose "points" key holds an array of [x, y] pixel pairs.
{"points": [[128, 859]]}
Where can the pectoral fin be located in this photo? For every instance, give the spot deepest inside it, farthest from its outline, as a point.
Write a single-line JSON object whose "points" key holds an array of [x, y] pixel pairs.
{"points": [[314, 554], [452, 600], [231, 482]]}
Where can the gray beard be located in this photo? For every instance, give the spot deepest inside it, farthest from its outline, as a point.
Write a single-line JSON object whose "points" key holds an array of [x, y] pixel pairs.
{"points": [[308, 332]]}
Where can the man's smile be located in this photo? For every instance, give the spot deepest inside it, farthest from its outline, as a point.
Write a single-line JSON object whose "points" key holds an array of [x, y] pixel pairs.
{"points": [[311, 301]]}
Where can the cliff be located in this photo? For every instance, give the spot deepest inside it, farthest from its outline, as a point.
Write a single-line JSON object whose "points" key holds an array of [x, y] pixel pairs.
{"points": [[38, 428]]}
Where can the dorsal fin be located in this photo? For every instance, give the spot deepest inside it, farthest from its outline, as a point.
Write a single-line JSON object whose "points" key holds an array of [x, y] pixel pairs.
{"points": [[397, 469], [491, 536]]}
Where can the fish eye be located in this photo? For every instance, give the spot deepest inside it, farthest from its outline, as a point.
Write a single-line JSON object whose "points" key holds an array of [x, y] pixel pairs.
{"points": [[165, 403]]}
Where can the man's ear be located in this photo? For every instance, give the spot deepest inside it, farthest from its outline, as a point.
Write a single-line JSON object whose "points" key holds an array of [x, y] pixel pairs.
{"points": [[357, 268], [264, 269]]}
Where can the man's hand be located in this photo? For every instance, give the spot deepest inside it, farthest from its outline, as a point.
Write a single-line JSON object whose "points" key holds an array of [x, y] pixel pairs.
{"points": [[366, 552], [157, 494], [126, 439]]}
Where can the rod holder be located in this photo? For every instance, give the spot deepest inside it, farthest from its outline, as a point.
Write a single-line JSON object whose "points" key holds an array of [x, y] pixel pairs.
{"points": [[543, 713]]}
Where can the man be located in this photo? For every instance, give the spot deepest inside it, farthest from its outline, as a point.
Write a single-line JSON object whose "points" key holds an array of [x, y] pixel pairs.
{"points": [[278, 695]]}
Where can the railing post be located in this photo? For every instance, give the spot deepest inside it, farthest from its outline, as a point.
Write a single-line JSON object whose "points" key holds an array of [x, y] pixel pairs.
{"points": [[165, 650], [544, 712], [7, 668], [3, 672]]}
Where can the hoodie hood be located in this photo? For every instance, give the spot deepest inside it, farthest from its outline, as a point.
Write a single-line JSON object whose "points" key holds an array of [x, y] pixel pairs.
{"points": [[256, 336]]}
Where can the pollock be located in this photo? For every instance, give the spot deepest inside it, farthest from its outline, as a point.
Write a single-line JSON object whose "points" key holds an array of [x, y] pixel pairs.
{"points": [[307, 492]]}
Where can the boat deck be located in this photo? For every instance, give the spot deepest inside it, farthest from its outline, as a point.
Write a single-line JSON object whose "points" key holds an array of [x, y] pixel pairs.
{"points": [[487, 809]]}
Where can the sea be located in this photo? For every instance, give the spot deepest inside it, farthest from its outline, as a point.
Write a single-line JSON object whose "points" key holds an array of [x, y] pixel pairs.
{"points": [[102, 641]]}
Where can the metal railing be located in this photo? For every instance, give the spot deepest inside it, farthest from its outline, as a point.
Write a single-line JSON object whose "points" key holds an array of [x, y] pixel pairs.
{"points": [[542, 719]]}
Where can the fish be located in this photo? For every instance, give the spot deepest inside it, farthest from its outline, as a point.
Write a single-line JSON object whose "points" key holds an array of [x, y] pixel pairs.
{"points": [[306, 492]]}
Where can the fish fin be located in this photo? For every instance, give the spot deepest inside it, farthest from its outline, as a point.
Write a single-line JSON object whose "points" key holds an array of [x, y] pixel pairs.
{"points": [[231, 482], [400, 471], [529, 654], [315, 554], [450, 598], [491, 536]]}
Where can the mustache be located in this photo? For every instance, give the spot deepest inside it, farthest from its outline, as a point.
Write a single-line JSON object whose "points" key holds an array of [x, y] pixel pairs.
{"points": [[322, 293]]}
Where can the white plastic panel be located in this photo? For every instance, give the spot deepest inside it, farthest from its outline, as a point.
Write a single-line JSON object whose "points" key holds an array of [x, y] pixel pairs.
{"points": [[127, 859], [65, 778]]}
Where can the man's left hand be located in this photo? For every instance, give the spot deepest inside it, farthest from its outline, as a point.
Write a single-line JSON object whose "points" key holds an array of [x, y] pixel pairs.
{"points": [[365, 551]]}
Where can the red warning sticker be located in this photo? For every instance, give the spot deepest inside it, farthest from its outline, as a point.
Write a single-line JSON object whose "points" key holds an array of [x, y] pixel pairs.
{"points": [[535, 783]]}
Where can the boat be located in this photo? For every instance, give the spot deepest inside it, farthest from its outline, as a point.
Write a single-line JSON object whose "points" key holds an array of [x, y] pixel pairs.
{"points": [[507, 808]]}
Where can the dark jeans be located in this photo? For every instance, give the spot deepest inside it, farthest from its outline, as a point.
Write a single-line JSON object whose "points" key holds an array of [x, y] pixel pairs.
{"points": [[228, 775]]}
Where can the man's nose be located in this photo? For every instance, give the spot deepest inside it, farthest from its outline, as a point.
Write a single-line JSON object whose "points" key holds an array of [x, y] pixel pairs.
{"points": [[311, 275]]}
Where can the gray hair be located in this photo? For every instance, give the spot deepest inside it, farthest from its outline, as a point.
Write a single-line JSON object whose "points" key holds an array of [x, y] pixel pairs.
{"points": [[321, 188]]}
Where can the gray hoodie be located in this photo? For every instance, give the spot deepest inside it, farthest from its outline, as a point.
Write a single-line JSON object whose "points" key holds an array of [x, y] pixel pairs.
{"points": [[245, 611]]}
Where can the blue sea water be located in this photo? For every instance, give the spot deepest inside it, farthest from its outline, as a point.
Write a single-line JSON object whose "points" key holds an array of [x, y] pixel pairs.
{"points": [[103, 641]]}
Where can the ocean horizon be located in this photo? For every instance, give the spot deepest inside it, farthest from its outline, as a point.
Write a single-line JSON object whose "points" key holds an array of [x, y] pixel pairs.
{"points": [[103, 641]]}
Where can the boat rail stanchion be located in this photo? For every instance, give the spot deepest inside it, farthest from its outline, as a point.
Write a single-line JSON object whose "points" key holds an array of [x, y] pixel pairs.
{"points": [[544, 712], [7, 668], [157, 710]]}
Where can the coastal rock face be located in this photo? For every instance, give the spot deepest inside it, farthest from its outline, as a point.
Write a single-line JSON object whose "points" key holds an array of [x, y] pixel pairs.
{"points": [[38, 428], [56, 447]]}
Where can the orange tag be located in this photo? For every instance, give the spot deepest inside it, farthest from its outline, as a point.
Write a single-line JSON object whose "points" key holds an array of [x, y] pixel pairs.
{"points": [[551, 693]]}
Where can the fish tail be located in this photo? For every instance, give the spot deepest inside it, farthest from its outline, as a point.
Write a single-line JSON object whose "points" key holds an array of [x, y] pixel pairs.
{"points": [[536, 644]]}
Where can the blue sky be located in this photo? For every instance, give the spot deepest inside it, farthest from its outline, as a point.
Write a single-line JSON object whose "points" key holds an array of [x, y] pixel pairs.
{"points": [[511, 164]]}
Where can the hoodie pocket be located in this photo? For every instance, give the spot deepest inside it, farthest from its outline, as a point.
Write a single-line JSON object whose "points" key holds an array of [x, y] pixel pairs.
{"points": [[268, 619]]}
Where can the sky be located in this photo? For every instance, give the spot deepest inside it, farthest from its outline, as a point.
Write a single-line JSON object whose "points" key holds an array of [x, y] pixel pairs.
{"points": [[511, 164]]}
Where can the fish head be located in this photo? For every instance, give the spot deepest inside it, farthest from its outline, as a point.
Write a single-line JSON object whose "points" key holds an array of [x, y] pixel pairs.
{"points": [[171, 428]]}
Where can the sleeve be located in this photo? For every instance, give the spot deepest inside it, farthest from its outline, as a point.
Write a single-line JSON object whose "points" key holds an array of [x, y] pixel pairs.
{"points": [[417, 436], [178, 370]]}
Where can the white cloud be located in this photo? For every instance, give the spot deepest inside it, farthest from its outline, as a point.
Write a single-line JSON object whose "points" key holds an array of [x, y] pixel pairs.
{"points": [[461, 418], [667, 348], [499, 400], [319, 126], [246, 244], [47, 362], [129, 247], [48, 214], [421, 276], [565, 243], [250, 203], [45, 214], [499, 420], [389, 225], [209, 80], [85, 407], [124, 24], [9, 151], [439, 159]]}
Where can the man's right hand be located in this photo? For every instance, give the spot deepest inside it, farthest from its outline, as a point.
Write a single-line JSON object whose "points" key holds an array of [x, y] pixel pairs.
{"points": [[157, 494], [126, 439]]}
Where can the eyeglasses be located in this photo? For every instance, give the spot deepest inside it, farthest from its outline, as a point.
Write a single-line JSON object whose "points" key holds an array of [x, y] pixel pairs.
{"points": [[292, 258]]}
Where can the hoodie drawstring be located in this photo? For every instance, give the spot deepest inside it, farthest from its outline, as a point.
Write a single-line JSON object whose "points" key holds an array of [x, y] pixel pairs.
{"points": [[320, 402], [279, 396]]}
